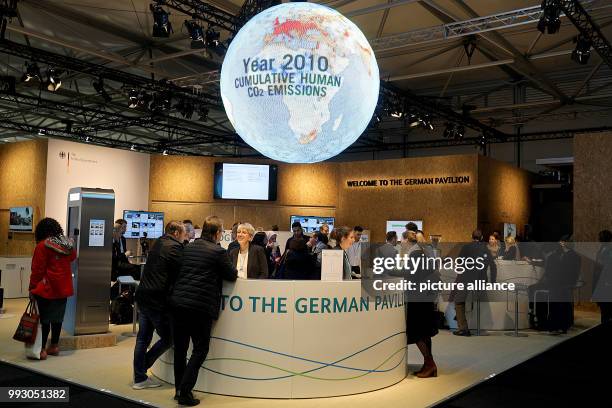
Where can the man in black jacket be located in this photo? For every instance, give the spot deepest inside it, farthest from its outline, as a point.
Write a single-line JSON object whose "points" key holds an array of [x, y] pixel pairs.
{"points": [[163, 265], [196, 300]]}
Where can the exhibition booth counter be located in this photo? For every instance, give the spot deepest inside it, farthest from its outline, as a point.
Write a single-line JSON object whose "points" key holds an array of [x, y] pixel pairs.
{"points": [[497, 309], [301, 339]]}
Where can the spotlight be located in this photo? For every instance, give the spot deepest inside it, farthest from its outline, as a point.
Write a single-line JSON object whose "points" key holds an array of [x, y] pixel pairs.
{"points": [[196, 33], [53, 79], [165, 153], [161, 23], [41, 132], [550, 17], [99, 87], [212, 38], [482, 143], [161, 101], [426, 122], [133, 148], [133, 99], [32, 72], [87, 139], [414, 120], [460, 132], [583, 50]]}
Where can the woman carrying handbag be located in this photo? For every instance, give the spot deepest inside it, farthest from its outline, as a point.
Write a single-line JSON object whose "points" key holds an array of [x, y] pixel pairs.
{"points": [[51, 280]]}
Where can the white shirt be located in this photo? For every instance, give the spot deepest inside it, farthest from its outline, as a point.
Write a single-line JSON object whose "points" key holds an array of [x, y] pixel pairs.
{"points": [[354, 254], [242, 261]]}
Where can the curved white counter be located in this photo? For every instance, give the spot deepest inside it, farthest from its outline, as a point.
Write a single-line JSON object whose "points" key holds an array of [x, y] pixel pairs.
{"points": [[497, 310], [301, 339]]}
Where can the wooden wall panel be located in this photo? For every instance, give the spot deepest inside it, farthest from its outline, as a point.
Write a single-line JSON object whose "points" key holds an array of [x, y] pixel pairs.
{"points": [[449, 210], [592, 185], [503, 195], [23, 170]]}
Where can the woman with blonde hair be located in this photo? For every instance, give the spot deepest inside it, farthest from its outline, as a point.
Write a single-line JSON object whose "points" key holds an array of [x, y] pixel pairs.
{"points": [[512, 251], [249, 260]]}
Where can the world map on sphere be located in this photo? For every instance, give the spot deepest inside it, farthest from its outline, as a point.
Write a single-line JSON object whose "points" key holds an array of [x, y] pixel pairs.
{"points": [[299, 83]]}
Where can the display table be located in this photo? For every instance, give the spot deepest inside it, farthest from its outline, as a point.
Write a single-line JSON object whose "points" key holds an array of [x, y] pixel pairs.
{"points": [[301, 339], [497, 310]]}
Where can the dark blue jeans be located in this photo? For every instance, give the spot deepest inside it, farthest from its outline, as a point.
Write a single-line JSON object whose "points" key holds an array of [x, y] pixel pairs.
{"points": [[150, 321]]}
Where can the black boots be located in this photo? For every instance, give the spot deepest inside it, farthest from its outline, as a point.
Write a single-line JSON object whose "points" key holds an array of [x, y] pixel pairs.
{"points": [[186, 399]]}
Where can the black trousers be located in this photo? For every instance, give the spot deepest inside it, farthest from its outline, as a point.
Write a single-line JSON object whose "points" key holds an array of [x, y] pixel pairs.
{"points": [[194, 326]]}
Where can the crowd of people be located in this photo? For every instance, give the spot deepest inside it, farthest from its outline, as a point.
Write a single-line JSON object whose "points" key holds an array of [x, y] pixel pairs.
{"points": [[180, 288]]}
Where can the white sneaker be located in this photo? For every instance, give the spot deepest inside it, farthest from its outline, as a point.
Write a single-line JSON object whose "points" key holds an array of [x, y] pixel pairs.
{"points": [[148, 383]]}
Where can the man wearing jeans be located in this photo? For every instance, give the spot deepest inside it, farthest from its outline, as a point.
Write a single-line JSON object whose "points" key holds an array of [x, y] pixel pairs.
{"points": [[196, 300], [160, 272]]}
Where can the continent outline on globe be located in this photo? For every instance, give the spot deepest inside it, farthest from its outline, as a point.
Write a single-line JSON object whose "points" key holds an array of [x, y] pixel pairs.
{"points": [[299, 82]]}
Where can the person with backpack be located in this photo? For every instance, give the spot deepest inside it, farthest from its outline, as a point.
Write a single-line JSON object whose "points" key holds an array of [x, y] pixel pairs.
{"points": [[160, 272], [51, 280]]}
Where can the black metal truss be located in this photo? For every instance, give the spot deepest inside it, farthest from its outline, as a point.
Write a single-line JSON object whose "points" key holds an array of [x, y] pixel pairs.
{"points": [[100, 71], [203, 11], [390, 94], [475, 141], [587, 27], [92, 139], [102, 120]]}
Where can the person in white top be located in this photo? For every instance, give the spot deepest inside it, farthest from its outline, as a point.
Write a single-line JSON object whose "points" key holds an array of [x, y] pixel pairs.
{"points": [[249, 260], [354, 252]]}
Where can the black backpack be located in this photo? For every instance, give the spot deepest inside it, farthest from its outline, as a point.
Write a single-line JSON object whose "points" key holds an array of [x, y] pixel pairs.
{"points": [[122, 308]]}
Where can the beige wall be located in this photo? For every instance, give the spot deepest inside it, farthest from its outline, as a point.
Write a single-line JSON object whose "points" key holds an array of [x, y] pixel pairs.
{"points": [[503, 195], [23, 168], [592, 185], [182, 187], [449, 210]]}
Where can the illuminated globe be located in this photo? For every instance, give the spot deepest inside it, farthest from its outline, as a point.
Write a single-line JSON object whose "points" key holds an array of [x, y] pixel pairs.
{"points": [[299, 82]]}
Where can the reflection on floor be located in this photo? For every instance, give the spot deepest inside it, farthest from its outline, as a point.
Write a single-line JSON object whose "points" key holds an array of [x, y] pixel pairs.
{"points": [[462, 363]]}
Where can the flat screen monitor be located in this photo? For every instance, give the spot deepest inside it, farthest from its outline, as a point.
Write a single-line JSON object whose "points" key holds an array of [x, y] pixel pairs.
{"points": [[236, 181], [400, 226], [141, 222], [21, 219], [311, 223]]}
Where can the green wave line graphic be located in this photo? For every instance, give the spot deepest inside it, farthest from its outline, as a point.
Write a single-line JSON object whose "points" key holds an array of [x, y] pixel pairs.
{"points": [[303, 374]]}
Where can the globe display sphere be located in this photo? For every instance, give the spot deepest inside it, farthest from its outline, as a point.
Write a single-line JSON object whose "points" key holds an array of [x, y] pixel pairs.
{"points": [[299, 82]]}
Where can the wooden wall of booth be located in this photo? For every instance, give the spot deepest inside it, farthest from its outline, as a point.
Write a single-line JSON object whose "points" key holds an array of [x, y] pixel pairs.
{"points": [[23, 173], [182, 187], [592, 185]]}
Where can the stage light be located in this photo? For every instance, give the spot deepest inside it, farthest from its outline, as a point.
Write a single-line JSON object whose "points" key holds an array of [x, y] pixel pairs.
{"points": [[165, 153], [161, 22], [133, 98], [32, 72], [41, 132], [426, 122], [582, 53], [99, 87], [550, 17], [414, 120], [133, 148], [87, 139], [212, 38], [449, 131], [460, 132], [53, 79], [196, 33]]}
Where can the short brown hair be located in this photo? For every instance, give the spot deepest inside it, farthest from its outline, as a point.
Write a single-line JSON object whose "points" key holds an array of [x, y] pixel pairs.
{"points": [[212, 225], [174, 226]]}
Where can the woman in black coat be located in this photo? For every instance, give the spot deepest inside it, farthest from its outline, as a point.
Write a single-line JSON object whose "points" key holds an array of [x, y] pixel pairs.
{"points": [[249, 260]]}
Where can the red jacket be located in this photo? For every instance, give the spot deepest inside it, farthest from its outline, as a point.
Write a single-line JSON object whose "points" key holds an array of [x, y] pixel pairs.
{"points": [[51, 276]]}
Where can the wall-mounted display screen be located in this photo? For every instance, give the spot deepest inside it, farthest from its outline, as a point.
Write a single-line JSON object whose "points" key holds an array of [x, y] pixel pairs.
{"points": [[400, 226], [21, 219], [139, 222], [236, 181], [312, 223]]}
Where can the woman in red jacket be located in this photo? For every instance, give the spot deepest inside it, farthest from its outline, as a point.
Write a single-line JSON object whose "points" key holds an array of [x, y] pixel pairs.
{"points": [[51, 280]]}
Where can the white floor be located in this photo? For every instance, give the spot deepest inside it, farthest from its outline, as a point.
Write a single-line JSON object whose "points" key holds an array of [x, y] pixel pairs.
{"points": [[462, 362]]}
